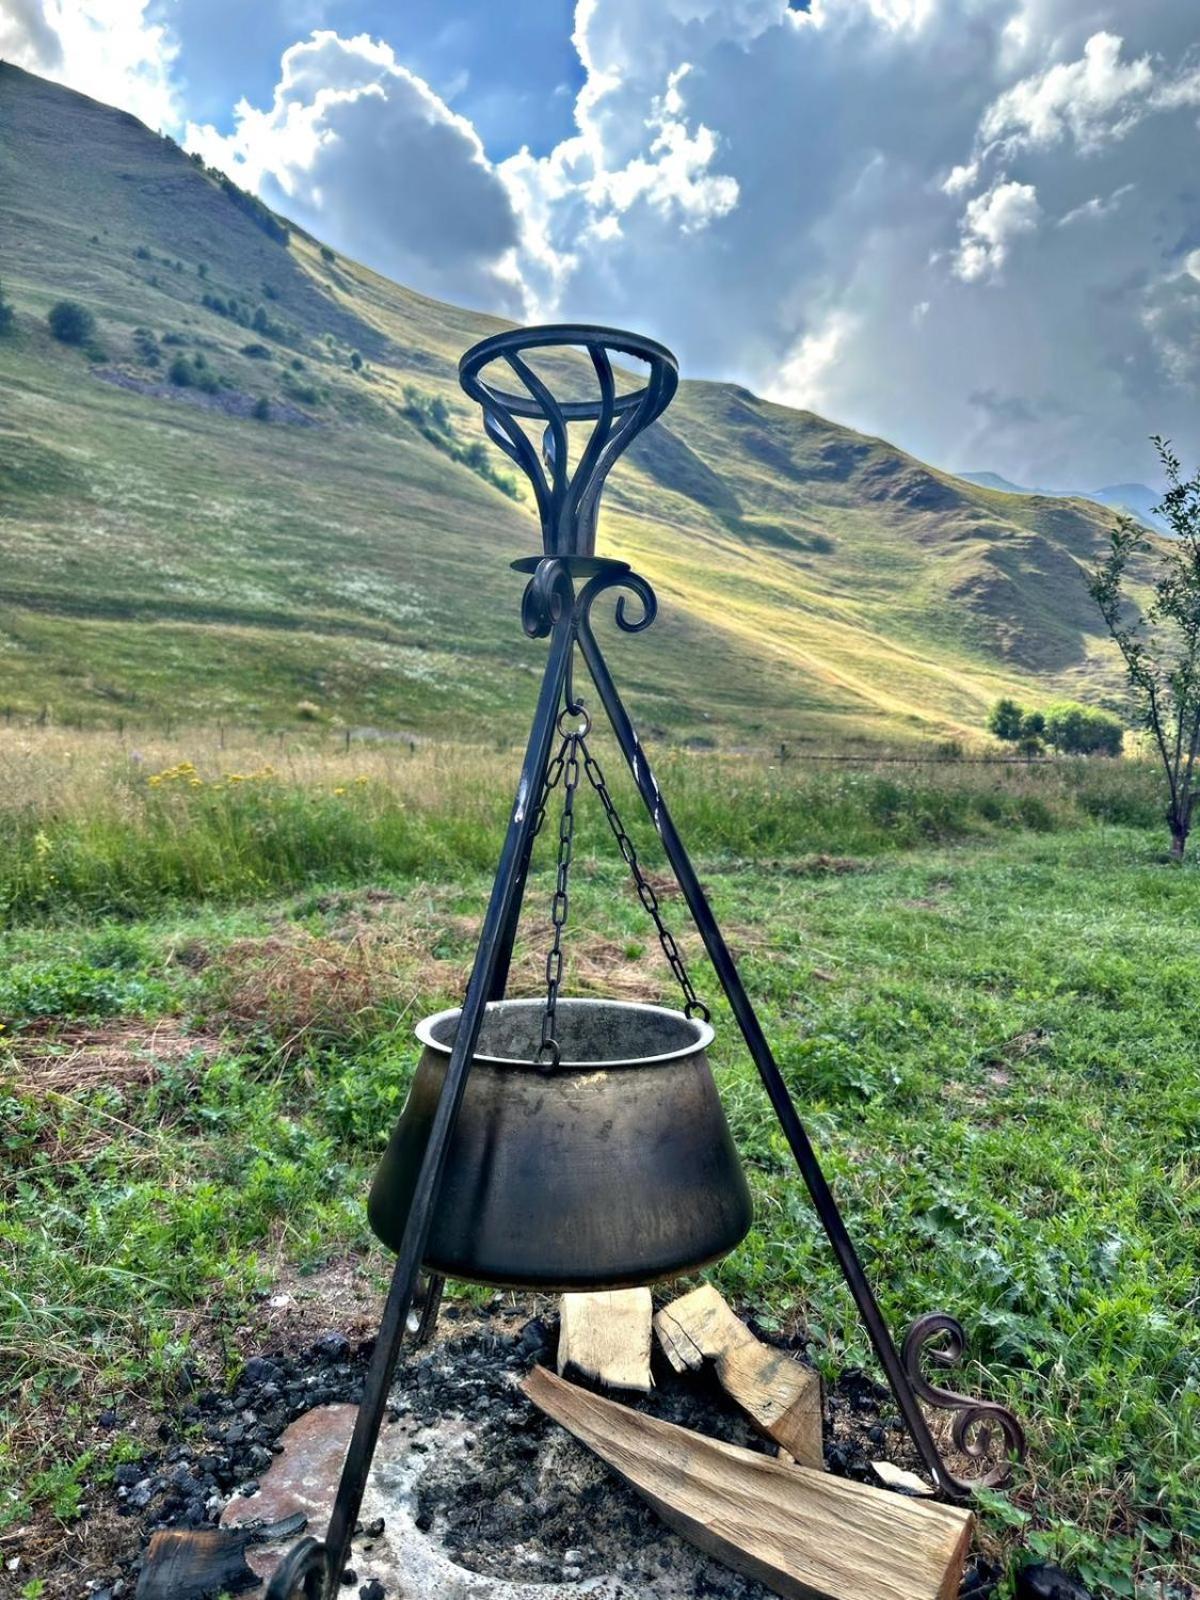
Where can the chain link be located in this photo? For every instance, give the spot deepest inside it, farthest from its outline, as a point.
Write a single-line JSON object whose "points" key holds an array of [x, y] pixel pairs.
{"points": [[565, 769], [694, 1006]]}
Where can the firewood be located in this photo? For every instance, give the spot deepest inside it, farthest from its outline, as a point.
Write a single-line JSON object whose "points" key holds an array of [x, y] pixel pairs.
{"points": [[782, 1398], [804, 1534], [606, 1336]]}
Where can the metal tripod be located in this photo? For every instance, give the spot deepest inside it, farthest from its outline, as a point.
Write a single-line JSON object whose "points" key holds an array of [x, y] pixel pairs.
{"points": [[563, 587]]}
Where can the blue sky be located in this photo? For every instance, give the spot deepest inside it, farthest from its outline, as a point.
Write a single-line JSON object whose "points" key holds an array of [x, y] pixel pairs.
{"points": [[971, 226]]}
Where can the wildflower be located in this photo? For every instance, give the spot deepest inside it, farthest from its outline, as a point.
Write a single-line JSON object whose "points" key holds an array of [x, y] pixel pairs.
{"points": [[341, 789], [362, 778], [41, 844]]}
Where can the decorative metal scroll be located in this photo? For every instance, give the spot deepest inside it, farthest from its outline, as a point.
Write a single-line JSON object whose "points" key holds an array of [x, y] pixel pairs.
{"points": [[981, 1430], [568, 499]]}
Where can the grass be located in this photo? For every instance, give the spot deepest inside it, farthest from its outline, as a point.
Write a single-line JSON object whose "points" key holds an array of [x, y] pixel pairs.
{"points": [[982, 984]]}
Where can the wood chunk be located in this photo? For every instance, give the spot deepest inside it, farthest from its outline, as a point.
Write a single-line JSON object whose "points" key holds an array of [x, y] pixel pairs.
{"points": [[196, 1564], [606, 1336], [804, 1534], [782, 1398], [897, 1478]]}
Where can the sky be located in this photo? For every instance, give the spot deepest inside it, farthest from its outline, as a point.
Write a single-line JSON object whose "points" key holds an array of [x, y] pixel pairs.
{"points": [[970, 226]]}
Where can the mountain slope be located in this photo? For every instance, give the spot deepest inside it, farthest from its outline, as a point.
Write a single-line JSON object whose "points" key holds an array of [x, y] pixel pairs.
{"points": [[1134, 498], [169, 552]]}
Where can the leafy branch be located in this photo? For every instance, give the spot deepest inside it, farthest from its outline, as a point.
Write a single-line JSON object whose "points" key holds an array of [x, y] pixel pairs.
{"points": [[1161, 646]]}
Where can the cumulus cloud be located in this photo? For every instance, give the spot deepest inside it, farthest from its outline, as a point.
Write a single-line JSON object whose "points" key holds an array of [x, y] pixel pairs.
{"points": [[878, 247], [989, 225], [1100, 96], [109, 49], [363, 152]]}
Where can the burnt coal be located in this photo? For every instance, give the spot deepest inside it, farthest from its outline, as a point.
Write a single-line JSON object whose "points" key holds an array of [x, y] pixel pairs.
{"points": [[1044, 1581]]}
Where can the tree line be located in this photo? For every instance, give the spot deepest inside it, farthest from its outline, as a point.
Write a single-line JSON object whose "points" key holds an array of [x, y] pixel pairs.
{"points": [[1065, 726]]}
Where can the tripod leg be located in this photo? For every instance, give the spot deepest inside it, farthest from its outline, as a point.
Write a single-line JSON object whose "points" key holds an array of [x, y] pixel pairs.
{"points": [[312, 1569], [902, 1374]]}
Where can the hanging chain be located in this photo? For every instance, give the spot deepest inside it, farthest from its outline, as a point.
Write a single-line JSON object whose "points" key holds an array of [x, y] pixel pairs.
{"points": [[694, 1006], [565, 769]]}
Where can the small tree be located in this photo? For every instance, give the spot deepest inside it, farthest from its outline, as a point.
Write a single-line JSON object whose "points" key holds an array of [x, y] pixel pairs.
{"points": [[1161, 648], [6, 314], [71, 323], [1076, 730], [1004, 720]]}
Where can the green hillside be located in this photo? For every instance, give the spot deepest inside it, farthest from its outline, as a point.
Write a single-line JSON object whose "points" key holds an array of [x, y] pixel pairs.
{"points": [[168, 551]]}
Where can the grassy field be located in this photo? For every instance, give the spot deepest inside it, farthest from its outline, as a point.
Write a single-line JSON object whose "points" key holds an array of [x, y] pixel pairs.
{"points": [[983, 984]]}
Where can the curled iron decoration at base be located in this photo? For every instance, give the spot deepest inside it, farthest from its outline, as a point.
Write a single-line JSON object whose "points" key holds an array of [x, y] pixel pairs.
{"points": [[976, 1422]]}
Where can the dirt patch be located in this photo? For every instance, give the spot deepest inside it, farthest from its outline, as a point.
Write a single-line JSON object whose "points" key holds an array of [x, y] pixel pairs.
{"points": [[98, 1055], [816, 866]]}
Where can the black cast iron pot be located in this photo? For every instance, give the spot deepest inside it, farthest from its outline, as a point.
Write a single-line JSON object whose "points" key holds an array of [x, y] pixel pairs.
{"points": [[615, 1169]]}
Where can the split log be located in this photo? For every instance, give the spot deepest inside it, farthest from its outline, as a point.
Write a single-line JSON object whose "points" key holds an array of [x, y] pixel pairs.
{"points": [[782, 1398], [804, 1534], [606, 1336]]}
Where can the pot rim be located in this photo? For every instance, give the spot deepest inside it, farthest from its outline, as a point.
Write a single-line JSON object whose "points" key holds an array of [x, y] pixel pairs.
{"points": [[705, 1034]]}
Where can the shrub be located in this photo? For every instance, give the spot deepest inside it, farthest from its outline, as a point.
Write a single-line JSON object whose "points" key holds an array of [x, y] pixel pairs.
{"points": [[327, 254], [71, 323], [262, 322], [261, 410], [142, 254], [1077, 730], [180, 372], [6, 314], [1004, 720], [146, 345], [257, 352], [356, 361]]}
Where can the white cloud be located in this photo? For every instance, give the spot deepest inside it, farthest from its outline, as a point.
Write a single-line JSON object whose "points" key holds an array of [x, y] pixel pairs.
{"points": [[1098, 97], [108, 49], [961, 178], [807, 369], [990, 223], [1097, 208], [363, 152]]}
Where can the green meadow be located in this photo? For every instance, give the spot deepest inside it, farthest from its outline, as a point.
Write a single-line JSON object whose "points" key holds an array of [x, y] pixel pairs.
{"points": [[982, 983]]}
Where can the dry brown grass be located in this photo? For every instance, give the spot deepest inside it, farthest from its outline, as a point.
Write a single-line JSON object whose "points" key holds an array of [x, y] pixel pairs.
{"points": [[301, 990], [80, 1056]]}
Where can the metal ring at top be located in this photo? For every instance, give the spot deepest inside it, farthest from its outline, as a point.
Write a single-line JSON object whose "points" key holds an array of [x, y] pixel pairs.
{"points": [[567, 492], [582, 335], [578, 714]]}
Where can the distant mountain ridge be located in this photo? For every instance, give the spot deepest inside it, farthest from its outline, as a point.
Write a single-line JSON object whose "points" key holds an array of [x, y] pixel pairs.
{"points": [[1138, 499], [262, 495]]}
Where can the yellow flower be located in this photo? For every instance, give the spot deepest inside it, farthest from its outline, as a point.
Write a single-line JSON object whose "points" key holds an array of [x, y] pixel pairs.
{"points": [[340, 790], [362, 778], [196, 783]]}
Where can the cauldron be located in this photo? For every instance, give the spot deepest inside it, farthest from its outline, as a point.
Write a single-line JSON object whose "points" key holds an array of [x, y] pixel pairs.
{"points": [[614, 1169]]}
